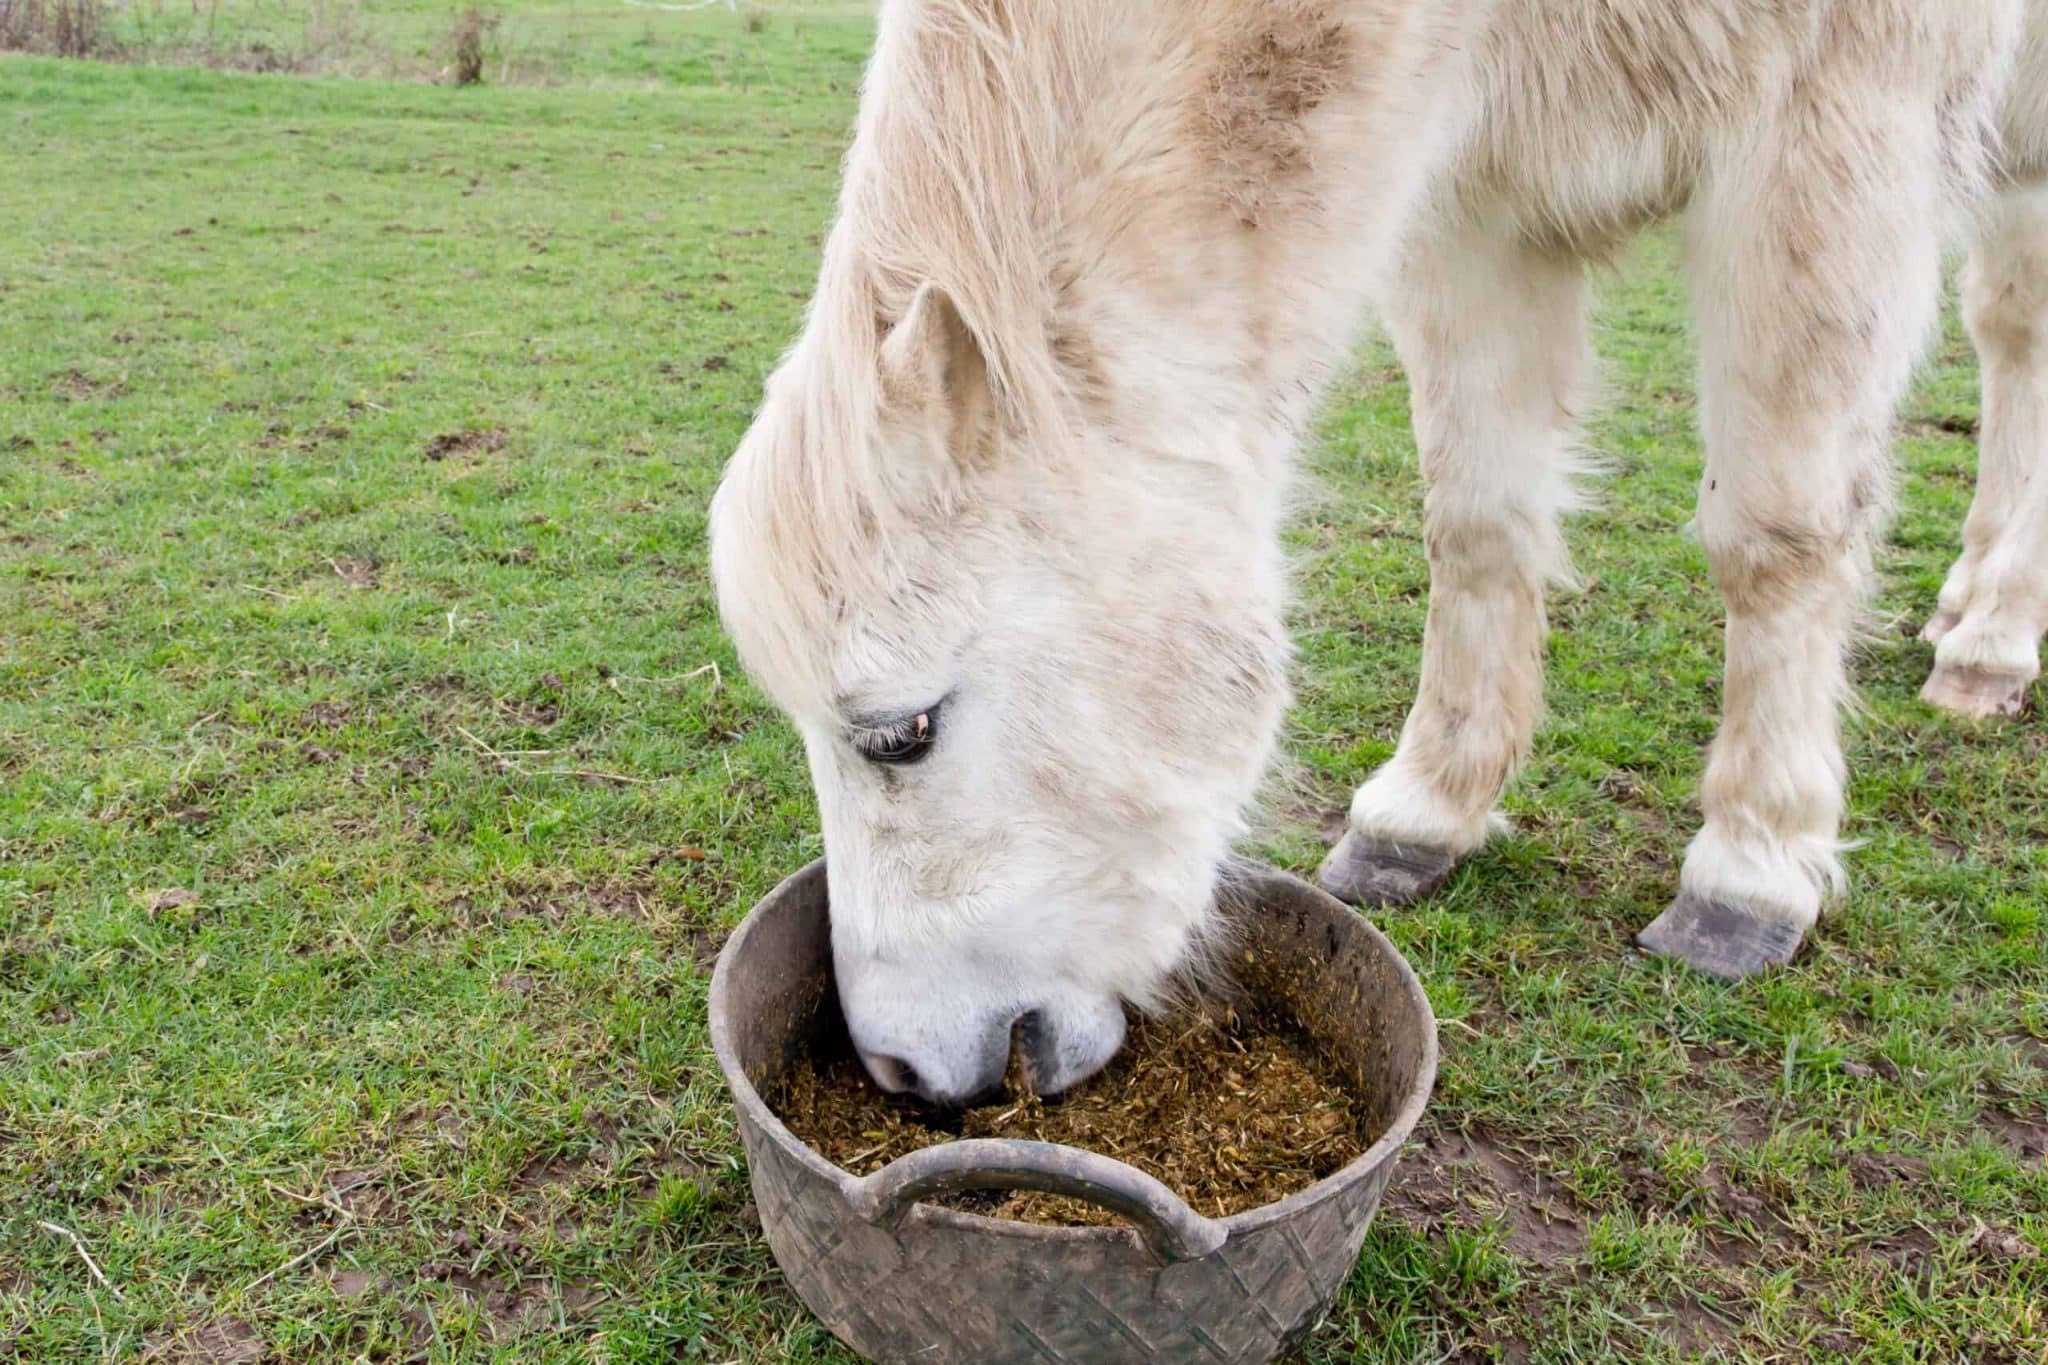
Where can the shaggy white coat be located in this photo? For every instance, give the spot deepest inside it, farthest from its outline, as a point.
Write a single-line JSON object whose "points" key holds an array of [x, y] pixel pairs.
{"points": [[1095, 258]]}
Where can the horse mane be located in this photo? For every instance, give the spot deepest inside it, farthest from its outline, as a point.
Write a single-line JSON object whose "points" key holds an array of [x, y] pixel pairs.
{"points": [[967, 110]]}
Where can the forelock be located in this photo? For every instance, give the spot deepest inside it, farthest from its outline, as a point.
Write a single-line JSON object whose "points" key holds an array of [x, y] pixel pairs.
{"points": [[796, 528], [953, 178]]}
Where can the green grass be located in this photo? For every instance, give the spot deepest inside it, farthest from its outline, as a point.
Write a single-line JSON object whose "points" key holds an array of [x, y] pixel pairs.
{"points": [[801, 45], [356, 445]]}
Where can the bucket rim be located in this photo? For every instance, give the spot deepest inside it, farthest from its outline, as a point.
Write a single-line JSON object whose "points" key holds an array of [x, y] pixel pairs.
{"points": [[1247, 879]]}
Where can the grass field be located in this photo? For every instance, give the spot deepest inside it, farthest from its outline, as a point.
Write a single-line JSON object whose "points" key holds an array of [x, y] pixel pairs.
{"points": [[738, 45], [375, 784]]}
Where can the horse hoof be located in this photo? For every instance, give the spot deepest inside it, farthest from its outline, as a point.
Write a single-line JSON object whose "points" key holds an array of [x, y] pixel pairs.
{"points": [[1980, 693], [1939, 625], [1722, 940], [1378, 872]]}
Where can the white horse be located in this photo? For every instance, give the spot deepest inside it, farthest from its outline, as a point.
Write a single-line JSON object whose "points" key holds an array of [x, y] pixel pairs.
{"points": [[1004, 538]]}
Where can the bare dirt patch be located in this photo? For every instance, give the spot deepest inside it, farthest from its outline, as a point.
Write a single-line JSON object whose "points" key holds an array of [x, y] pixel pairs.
{"points": [[1692, 1326], [1943, 424], [1998, 1244], [547, 1181], [2035, 1050], [2027, 1135], [533, 715], [629, 900], [1465, 1178], [496, 1277], [76, 386], [355, 1284], [357, 572], [223, 1341], [637, 900], [701, 943], [1907, 1250], [1875, 1170], [1299, 809], [1763, 1227], [468, 443], [326, 715], [169, 900], [363, 1193]]}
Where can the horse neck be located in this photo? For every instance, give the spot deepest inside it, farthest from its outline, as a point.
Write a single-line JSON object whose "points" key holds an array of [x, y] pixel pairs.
{"points": [[1170, 215]]}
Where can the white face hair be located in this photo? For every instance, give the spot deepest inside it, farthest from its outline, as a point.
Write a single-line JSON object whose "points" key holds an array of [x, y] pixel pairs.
{"points": [[1037, 680]]}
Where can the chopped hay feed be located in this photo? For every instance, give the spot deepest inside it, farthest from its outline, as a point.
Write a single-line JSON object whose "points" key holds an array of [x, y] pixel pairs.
{"points": [[1231, 1112]]}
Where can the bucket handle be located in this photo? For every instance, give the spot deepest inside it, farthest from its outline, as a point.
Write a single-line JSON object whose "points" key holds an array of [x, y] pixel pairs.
{"points": [[1162, 1218]]}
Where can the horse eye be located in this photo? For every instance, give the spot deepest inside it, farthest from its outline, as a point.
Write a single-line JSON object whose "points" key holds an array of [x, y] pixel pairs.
{"points": [[905, 741]]}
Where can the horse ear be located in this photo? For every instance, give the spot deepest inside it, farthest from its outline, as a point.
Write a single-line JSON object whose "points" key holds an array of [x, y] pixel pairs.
{"points": [[934, 379]]}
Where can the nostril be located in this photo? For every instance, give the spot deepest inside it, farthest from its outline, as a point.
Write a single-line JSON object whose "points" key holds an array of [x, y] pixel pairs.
{"points": [[893, 1074], [1027, 1033], [1028, 1044]]}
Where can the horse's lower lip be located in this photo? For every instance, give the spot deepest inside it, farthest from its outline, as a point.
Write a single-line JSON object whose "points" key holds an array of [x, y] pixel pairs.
{"points": [[993, 1095], [949, 1115]]}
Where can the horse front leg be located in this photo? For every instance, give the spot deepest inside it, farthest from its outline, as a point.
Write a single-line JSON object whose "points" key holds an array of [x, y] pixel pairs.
{"points": [[1994, 606], [1492, 334], [1816, 272]]}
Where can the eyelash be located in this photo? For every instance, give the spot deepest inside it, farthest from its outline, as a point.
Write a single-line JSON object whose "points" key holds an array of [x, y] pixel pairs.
{"points": [[903, 742]]}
